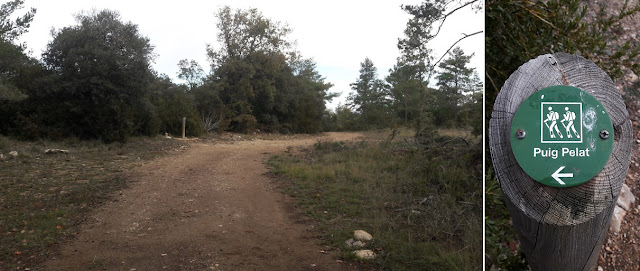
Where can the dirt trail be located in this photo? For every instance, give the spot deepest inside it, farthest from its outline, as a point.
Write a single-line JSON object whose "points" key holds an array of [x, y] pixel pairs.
{"points": [[208, 208]]}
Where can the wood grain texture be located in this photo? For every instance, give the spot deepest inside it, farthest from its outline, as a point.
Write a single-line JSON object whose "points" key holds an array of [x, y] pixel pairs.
{"points": [[559, 228]]}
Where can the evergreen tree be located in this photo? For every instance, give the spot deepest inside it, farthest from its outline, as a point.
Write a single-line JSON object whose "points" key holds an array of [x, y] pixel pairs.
{"points": [[13, 61], [405, 91], [456, 82], [259, 79], [368, 98], [103, 71]]}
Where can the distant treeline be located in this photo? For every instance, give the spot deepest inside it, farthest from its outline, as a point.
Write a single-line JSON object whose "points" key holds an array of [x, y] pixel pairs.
{"points": [[95, 81]]}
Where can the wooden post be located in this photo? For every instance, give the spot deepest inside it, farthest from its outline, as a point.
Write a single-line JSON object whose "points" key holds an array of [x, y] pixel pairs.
{"points": [[560, 228], [184, 126]]}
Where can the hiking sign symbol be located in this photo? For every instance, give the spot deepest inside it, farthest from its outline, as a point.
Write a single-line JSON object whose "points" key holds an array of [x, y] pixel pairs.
{"points": [[560, 122], [555, 136]]}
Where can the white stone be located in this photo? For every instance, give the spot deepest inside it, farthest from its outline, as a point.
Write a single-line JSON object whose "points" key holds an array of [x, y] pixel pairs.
{"points": [[361, 235], [626, 198], [53, 151], [354, 244], [616, 219], [13, 153], [632, 77], [365, 254]]}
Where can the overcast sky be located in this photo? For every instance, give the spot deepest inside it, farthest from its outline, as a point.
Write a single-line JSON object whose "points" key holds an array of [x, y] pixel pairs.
{"points": [[338, 35]]}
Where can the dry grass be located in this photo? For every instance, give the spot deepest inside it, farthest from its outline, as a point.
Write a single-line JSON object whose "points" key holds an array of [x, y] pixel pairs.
{"points": [[44, 197], [423, 206]]}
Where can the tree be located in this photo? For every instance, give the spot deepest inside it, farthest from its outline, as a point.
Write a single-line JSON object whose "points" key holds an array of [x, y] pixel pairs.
{"points": [[260, 80], [405, 90], [11, 30], [368, 97], [12, 58], [427, 17], [243, 32], [171, 103], [191, 72], [103, 71], [457, 83]]}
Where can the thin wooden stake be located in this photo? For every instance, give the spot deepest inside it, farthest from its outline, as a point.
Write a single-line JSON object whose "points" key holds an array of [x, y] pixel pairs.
{"points": [[184, 126]]}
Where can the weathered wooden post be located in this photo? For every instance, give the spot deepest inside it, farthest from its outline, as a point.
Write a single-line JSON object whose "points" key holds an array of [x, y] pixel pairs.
{"points": [[560, 144], [184, 126]]}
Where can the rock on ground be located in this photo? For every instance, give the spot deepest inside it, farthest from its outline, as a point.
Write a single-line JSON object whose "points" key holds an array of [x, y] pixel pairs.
{"points": [[361, 235], [365, 254]]}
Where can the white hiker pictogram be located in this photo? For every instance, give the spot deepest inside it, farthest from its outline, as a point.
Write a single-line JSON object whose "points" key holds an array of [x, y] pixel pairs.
{"points": [[553, 117], [569, 117]]}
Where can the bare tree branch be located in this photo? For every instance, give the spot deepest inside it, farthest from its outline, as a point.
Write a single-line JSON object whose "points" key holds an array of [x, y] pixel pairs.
{"points": [[454, 44], [451, 12]]}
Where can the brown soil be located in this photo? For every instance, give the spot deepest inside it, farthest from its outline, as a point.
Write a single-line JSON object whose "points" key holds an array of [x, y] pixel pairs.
{"points": [[211, 207], [621, 251]]}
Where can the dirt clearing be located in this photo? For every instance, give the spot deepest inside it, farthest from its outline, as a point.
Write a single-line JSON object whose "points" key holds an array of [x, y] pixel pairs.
{"points": [[208, 208]]}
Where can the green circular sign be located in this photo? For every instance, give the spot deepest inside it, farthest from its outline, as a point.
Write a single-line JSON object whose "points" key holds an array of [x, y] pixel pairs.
{"points": [[561, 136]]}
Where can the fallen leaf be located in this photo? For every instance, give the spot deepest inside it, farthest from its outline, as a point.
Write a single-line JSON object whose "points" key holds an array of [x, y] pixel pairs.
{"points": [[59, 227], [18, 253]]}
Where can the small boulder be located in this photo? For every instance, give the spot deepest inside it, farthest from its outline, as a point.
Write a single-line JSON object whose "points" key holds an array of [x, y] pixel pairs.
{"points": [[365, 254], [626, 198], [1, 156], [617, 218], [13, 154], [361, 235], [54, 151]]}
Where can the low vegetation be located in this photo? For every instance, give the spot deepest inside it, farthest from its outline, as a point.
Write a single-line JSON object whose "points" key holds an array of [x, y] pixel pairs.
{"points": [[44, 197], [421, 202]]}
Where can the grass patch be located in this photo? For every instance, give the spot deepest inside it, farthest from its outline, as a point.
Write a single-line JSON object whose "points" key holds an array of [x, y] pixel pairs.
{"points": [[43, 197], [422, 204], [501, 240]]}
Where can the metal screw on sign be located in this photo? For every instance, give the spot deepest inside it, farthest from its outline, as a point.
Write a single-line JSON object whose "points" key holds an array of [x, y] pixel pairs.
{"points": [[604, 134], [520, 134]]}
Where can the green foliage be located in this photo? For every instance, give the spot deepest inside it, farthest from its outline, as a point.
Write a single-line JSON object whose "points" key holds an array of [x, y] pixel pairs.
{"points": [[558, 26], [11, 30], [457, 83], [416, 57], [258, 81], [500, 237], [170, 104], [12, 62], [405, 87], [347, 120], [12, 58], [191, 72], [369, 96], [244, 32], [423, 206], [102, 97]]}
